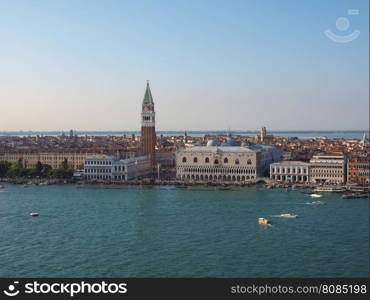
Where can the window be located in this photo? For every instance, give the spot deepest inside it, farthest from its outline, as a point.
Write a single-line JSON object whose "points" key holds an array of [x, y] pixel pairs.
{"points": [[226, 160], [249, 162], [195, 159], [184, 159], [236, 161], [207, 160], [216, 161]]}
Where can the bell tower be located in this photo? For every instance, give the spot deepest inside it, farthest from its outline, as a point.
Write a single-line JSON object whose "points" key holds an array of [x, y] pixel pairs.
{"points": [[148, 135]]}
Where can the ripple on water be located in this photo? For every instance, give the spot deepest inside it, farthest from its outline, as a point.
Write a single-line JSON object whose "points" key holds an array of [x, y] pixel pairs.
{"points": [[169, 232]]}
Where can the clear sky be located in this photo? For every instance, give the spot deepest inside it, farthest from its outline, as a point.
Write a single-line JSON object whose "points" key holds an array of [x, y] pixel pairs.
{"points": [[83, 64]]}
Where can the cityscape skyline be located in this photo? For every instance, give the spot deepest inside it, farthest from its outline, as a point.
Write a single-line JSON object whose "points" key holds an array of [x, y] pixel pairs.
{"points": [[212, 66]]}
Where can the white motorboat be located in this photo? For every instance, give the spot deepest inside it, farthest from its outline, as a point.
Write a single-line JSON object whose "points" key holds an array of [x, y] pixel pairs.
{"points": [[316, 195], [288, 216], [34, 214]]}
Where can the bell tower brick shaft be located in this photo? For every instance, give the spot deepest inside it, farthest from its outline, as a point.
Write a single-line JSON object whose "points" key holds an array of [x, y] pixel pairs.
{"points": [[148, 135]]}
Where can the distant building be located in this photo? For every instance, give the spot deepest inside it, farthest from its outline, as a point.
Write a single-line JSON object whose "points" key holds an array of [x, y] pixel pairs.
{"points": [[111, 168], [290, 171], [165, 159], [54, 159], [263, 137], [328, 168], [263, 134], [148, 135], [225, 163]]}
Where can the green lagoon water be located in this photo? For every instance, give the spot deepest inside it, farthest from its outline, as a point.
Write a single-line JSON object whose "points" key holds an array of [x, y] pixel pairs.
{"points": [[135, 231]]}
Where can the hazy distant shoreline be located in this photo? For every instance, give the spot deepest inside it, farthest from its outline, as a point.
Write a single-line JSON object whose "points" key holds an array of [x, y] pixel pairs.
{"points": [[199, 133]]}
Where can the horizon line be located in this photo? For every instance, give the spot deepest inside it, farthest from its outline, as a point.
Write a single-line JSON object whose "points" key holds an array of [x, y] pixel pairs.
{"points": [[192, 130]]}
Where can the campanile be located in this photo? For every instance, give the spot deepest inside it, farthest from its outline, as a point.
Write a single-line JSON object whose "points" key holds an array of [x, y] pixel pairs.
{"points": [[148, 136]]}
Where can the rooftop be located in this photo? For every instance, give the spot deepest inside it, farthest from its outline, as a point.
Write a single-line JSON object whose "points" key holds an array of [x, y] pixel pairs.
{"points": [[290, 163], [232, 149]]}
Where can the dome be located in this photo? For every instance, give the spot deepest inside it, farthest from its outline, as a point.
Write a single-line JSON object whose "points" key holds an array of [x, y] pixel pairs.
{"points": [[230, 142], [211, 143]]}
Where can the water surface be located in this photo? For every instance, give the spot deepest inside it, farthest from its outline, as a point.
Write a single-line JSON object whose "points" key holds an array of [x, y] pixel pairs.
{"points": [[167, 232]]}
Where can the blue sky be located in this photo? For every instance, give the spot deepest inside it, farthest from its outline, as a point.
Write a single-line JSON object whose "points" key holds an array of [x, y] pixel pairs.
{"points": [[211, 64]]}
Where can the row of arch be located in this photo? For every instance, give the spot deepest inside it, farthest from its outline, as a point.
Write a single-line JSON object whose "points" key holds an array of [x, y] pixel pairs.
{"points": [[287, 170], [216, 177], [233, 170], [290, 178], [216, 161]]}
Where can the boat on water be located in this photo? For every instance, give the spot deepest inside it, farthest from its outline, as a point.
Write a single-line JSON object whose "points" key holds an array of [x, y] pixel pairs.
{"points": [[316, 203], [34, 214], [181, 186], [264, 221], [355, 196], [308, 192], [315, 195], [1, 187], [287, 216], [332, 189], [224, 188]]}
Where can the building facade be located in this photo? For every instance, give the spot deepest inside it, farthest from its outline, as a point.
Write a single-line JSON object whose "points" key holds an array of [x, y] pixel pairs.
{"points": [[359, 169], [328, 168], [225, 163], [54, 159], [111, 168], [290, 171], [148, 135]]}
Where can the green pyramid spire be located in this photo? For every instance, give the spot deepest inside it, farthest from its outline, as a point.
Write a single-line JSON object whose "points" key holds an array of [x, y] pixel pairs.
{"points": [[148, 99]]}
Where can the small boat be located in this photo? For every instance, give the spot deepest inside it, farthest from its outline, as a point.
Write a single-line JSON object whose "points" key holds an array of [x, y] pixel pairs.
{"points": [[333, 189], [180, 186], [315, 195], [34, 214], [288, 216], [355, 196], [224, 188], [264, 221], [1, 187], [308, 192], [316, 203]]}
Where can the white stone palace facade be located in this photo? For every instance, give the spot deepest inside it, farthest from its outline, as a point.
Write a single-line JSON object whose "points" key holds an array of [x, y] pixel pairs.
{"points": [[110, 168], [325, 168], [225, 163], [290, 171]]}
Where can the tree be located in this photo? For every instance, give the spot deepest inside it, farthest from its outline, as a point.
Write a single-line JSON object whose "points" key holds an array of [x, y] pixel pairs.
{"points": [[4, 167], [38, 168], [61, 173], [65, 164], [45, 170], [16, 169]]}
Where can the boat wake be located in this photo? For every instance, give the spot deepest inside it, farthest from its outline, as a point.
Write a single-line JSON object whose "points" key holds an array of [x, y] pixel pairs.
{"points": [[315, 203]]}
